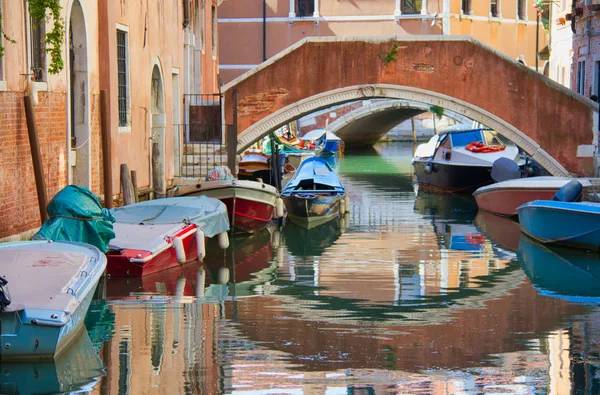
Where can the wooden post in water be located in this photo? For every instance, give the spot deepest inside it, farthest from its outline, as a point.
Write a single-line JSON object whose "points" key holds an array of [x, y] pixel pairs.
{"points": [[126, 185], [106, 151], [134, 184], [232, 138], [36, 156]]}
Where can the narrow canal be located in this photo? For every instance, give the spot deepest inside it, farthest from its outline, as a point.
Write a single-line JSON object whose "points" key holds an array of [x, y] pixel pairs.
{"points": [[408, 294]]}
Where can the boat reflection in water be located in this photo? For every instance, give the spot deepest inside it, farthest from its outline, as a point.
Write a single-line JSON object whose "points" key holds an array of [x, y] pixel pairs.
{"points": [[78, 368], [301, 241], [503, 232], [561, 272], [169, 327]]}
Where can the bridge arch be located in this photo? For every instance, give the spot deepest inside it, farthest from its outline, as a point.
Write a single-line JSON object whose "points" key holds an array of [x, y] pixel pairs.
{"points": [[394, 112], [555, 125], [384, 91]]}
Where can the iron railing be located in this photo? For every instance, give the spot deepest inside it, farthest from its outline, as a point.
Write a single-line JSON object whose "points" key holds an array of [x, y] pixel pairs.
{"points": [[202, 146]]}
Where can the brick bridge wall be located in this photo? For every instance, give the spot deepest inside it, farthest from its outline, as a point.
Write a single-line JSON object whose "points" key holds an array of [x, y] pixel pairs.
{"points": [[559, 120]]}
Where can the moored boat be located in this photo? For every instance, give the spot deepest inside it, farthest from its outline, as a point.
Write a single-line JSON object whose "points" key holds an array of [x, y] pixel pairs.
{"points": [[160, 234], [461, 161], [49, 287], [315, 194], [251, 205], [575, 224], [503, 198], [333, 145], [254, 165]]}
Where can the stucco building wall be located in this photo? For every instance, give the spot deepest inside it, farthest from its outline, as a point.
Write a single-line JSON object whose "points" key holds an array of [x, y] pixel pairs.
{"points": [[241, 25]]}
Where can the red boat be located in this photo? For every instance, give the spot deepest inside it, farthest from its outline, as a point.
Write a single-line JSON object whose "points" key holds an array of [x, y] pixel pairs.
{"points": [[251, 205], [251, 254], [503, 198], [161, 234]]}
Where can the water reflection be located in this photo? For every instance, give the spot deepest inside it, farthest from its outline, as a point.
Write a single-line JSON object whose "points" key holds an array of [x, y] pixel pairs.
{"points": [[504, 232], [76, 369], [560, 272], [414, 295], [301, 241]]}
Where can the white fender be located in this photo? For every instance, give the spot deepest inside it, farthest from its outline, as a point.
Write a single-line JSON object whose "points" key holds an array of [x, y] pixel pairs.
{"points": [[180, 287], [347, 199], [279, 208], [279, 255], [223, 239], [276, 238], [200, 244], [200, 281], [342, 207], [223, 277], [179, 250]]}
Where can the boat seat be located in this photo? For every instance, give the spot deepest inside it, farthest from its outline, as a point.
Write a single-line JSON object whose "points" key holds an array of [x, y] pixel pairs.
{"points": [[570, 192]]}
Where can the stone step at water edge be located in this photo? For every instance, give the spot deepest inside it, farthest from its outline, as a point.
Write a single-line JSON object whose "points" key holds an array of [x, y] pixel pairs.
{"points": [[203, 159], [203, 149]]}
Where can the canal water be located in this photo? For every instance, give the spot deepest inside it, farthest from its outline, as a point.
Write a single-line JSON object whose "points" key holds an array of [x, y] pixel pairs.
{"points": [[408, 294]]}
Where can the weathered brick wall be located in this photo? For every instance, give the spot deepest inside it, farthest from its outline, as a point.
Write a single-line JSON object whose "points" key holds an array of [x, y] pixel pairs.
{"points": [[18, 197], [97, 184]]}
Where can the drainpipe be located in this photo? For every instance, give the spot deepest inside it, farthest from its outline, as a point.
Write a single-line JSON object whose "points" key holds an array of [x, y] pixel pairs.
{"points": [[264, 30]]}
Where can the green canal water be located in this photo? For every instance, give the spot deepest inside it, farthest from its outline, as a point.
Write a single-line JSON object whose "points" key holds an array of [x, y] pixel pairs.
{"points": [[408, 294]]}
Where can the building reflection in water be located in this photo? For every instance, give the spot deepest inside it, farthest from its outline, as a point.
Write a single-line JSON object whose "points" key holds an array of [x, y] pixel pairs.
{"points": [[411, 296]]}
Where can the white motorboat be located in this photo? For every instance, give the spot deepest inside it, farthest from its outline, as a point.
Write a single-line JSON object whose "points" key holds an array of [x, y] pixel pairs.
{"points": [[46, 292]]}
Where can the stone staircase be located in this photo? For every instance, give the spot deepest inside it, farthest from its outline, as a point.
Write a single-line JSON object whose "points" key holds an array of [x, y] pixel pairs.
{"points": [[198, 159]]}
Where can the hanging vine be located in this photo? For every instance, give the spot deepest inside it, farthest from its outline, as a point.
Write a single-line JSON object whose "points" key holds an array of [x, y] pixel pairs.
{"points": [[45, 11]]}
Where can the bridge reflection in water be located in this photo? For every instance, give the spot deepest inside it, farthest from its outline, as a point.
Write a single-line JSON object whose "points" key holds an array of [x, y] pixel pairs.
{"points": [[411, 294]]}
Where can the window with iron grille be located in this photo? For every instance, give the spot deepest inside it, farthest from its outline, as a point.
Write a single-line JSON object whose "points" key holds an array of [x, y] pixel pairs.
{"points": [[411, 6], [122, 78], [521, 9], [494, 8], [305, 7], [37, 31], [466, 6]]}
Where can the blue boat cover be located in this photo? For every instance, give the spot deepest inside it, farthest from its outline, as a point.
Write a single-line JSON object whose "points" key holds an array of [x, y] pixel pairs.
{"points": [[315, 170], [77, 215], [209, 214]]}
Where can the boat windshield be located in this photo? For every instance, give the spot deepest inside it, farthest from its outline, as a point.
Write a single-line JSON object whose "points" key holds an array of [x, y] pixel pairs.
{"points": [[463, 138]]}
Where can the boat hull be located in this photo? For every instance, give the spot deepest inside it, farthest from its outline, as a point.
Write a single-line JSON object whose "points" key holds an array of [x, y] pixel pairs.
{"points": [[312, 209], [503, 198], [250, 205], [146, 262], [451, 177], [333, 147], [42, 327], [567, 223]]}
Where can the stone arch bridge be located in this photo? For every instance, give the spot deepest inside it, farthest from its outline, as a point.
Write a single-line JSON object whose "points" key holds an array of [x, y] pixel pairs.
{"points": [[554, 125]]}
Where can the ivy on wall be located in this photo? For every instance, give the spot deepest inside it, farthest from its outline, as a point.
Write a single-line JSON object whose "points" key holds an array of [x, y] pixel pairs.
{"points": [[46, 11]]}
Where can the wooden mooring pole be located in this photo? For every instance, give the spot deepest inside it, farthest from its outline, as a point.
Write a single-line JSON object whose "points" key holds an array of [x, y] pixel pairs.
{"points": [[106, 154], [36, 156]]}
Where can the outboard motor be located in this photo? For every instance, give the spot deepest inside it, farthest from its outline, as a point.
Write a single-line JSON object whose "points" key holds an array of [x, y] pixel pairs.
{"points": [[505, 169], [4, 296], [570, 192]]}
